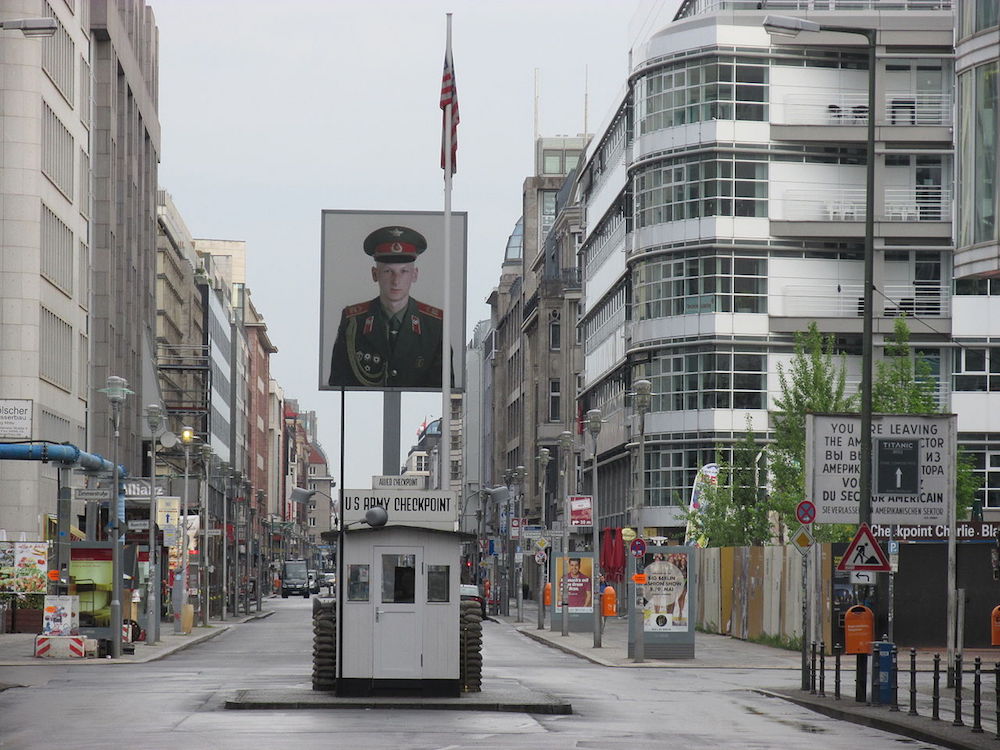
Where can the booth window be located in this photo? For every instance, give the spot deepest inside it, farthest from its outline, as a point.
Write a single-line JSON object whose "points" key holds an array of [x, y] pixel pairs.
{"points": [[437, 583], [399, 579], [357, 583]]}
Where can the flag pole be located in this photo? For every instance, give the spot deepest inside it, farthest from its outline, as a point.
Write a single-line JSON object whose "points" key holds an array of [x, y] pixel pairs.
{"points": [[446, 131]]}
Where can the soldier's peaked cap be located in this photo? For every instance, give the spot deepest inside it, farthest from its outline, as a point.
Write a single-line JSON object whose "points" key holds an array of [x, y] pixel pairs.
{"points": [[395, 244]]}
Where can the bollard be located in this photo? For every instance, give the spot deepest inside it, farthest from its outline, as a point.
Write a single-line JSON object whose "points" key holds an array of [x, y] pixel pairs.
{"points": [[913, 683], [836, 671], [957, 722], [875, 699], [977, 703], [812, 668], [996, 691], [936, 690], [894, 678], [822, 669], [860, 678]]}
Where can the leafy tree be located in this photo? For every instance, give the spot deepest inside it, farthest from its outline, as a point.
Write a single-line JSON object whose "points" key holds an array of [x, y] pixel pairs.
{"points": [[813, 382], [733, 513]]}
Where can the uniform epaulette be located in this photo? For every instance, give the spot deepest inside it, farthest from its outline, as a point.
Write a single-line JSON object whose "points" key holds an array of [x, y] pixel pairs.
{"points": [[359, 309], [434, 312]]}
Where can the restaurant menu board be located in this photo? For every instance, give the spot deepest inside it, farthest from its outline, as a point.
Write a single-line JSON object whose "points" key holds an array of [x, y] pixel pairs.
{"points": [[23, 566]]}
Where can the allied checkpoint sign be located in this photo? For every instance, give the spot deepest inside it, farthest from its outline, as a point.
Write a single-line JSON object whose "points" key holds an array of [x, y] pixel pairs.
{"points": [[913, 467], [426, 509]]}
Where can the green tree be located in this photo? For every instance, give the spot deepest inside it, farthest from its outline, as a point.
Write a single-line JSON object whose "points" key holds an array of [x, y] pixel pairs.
{"points": [[813, 382], [733, 512]]}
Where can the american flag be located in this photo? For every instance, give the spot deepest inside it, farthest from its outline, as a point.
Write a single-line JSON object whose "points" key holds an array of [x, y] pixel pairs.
{"points": [[449, 95]]}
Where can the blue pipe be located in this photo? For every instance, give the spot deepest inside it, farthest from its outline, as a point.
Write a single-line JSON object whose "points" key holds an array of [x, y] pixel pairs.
{"points": [[63, 453]]}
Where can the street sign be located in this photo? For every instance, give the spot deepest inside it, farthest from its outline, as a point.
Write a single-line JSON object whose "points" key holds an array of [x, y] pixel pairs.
{"points": [[214, 532], [913, 461], [805, 512], [532, 532], [541, 542], [541, 556], [88, 493], [403, 482], [138, 524], [802, 540], [862, 577], [892, 547], [15, 418], [864, 553], [640, 579], [638, 547]]}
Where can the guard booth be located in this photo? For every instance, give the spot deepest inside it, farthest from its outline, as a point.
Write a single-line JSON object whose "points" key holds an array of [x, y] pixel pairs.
{"points": [[401, 600]]}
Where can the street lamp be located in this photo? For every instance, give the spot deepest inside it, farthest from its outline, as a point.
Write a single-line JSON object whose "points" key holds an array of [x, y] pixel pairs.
{"points": [[204, 588], [790, 26], [519, 474], [180, 578], [643, 399], [30, 27], [543, 463], [566, 441], [594, 428], [154, 420], [116, 389]]}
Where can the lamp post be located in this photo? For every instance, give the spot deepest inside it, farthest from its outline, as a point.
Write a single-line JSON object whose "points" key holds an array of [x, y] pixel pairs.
{"points": [[154, 419], [116, 389], [594, 428], [180, 577], [566, 448], [790, 26], [205, 588], [224, 470], [643, 399], [519, 474], [31, 27], [543, 464]]}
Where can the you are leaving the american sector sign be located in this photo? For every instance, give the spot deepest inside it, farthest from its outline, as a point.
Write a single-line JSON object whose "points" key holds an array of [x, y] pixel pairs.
{"points": [[424, 508], [913, 460]]}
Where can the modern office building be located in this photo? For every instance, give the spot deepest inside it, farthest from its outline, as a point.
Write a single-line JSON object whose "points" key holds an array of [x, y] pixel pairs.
{"points": [[724, 207]]}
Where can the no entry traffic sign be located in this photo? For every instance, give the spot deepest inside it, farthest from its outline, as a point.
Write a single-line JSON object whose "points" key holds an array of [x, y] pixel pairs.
{"points": [[638, 547], [805, 512]]}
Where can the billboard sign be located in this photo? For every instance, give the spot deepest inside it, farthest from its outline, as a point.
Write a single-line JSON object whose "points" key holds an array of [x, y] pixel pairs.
{"points": [[15, 418], [382, 300], [427, 509], [581, 510]]}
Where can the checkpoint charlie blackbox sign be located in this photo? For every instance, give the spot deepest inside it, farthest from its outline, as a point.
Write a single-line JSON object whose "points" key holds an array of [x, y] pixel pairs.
{"points": [[427, 509], [913, 462]]}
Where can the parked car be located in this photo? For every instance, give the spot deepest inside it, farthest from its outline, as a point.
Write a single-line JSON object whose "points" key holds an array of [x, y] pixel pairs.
{"points": [[329, 579], [470, 592], [314, 581]]}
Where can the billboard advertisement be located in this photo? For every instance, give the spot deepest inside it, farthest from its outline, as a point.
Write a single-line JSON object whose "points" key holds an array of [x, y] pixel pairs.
{"points": [[23, 566], [665, 593], [579, 583], [382, 300]]}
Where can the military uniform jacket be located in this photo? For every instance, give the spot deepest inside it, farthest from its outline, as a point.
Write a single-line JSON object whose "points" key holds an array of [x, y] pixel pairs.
{"points": [[368, 355]]}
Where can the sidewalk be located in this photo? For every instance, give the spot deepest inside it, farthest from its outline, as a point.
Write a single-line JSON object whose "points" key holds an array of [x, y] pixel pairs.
{"points": [[17, 649]]}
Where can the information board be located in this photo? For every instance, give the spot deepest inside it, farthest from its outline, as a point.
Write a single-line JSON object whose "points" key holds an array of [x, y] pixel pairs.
{"points": [[913, 465]]}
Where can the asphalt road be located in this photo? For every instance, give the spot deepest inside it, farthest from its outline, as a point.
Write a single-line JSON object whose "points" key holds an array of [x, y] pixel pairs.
{"points": [[178, 702]]}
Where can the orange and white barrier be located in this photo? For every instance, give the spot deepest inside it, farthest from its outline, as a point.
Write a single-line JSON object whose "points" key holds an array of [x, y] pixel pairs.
{"points": [[60, 646]]}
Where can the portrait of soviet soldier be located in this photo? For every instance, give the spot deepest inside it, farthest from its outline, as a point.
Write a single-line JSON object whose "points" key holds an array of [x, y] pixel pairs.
{"points": [[393, 340]]}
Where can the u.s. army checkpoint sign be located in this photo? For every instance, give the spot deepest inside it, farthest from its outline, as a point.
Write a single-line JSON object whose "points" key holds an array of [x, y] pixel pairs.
{"points": [[913, 467], [427, 509]]}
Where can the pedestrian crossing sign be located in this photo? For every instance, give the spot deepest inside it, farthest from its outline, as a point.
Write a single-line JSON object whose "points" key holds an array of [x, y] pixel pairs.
{"points": [[864, 553]]}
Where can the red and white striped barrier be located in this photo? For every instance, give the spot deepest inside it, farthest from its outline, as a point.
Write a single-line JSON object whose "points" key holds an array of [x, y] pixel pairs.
{"points": [[60, 646]]}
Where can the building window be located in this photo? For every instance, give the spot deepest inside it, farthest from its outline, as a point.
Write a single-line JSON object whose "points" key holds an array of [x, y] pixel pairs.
{"points": [[554, 398], [57, 251], [57, 152], [668, 287], [54, 345], [976, 368], [58, 57], [708, 380], [546, 214], [710, 88], [979, 105], [312, 520], [555, 333], [421, 463], [702, 185], [456, 469]]}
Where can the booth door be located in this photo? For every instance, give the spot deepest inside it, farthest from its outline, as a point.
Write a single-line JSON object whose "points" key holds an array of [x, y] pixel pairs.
{"points": [[399, 602]]}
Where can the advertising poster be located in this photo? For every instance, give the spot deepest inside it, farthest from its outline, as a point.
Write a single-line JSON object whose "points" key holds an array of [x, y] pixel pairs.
{"points": [[579, 583], [23, 566], [61, 616], [90, 572], [665, 592], [581, 510], [383, 302]]}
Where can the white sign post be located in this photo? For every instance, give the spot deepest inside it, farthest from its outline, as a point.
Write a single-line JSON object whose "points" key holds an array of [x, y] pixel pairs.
{"points": [[912, 467]]}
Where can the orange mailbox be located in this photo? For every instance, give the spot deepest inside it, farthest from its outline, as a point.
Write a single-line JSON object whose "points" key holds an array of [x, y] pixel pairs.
{"points": [[995, 627], [859, 630], [609, 602], [547, 596]]}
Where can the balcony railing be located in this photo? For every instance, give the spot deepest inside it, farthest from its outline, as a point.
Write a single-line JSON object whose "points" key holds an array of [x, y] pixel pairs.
{"points": [[851, 108], [558, 281], [921, 203], [847, 301]]}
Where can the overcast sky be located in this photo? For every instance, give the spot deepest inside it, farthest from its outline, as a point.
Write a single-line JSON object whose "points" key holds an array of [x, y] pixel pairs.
{"points": [[274, 111]]}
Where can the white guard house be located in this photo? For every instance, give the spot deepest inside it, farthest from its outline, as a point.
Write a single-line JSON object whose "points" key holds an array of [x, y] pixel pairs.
{"points": [[401, 603]]}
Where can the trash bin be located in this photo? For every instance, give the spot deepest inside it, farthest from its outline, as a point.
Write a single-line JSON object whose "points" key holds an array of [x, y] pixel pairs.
{"points": [[886, 671]]}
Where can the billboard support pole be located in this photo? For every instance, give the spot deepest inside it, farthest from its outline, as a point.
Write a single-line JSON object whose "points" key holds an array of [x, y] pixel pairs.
{"points": [[391, 406], [446, 130]]}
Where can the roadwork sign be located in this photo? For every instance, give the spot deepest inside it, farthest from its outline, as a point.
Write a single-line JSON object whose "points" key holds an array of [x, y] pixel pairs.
{"points": [[864, 553]]}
